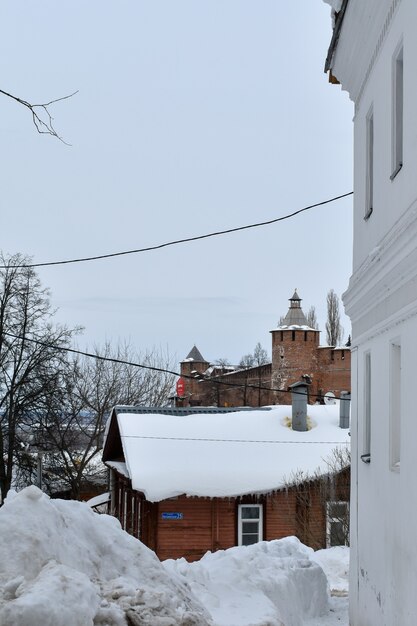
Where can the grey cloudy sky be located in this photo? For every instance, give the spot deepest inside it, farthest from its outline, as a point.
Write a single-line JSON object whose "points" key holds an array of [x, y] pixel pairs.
{"points": [[191, 116]]}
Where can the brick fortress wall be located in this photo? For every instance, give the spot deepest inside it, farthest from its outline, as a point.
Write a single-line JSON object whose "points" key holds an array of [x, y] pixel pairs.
{"points": [[296, 353]]}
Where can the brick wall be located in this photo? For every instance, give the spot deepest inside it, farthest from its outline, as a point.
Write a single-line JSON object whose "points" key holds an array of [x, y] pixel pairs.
{"points": [[295, 353]]}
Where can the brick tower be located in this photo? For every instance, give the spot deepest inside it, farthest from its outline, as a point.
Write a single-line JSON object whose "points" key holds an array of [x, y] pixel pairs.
{"points": [[193, 364], [294, 352]]}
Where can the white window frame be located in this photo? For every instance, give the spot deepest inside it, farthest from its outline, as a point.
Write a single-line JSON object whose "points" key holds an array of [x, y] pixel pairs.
{"points": [[241, 519], [367, 407], [397, 110], [395, 404], [331, 519], [369, 200], [124, 520]]}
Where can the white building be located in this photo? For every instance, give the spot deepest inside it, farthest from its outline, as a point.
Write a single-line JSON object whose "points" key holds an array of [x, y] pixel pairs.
{"points": [[373, 55]]}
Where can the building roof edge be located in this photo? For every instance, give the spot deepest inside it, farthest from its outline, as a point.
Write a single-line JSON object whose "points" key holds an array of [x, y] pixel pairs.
{"points": [[335, 38]]}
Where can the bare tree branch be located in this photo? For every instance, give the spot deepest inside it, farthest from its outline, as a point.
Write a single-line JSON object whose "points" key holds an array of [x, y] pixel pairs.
{"points": [[43, 126]]}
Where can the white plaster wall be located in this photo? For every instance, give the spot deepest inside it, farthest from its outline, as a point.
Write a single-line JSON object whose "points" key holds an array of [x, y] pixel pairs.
{"points": [[384, 550], [391, 198], [382, 303]]}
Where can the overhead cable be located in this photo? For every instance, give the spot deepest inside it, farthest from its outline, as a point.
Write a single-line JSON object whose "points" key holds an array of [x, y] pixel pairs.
{"points": [[162, 370], [179, 241], [338, 443]]}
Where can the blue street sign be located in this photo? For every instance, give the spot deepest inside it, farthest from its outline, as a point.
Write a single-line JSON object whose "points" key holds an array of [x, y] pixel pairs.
{"points": [[172, 516]]}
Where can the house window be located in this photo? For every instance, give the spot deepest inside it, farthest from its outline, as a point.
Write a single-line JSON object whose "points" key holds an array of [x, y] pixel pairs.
{"points": [[369, 203], [395, 405], [337, 524], [249, 524], [293, 335], [366, 456], [397, 113]]}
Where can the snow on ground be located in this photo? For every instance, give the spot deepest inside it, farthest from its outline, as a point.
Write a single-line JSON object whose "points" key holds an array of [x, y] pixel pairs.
{"points": [[271, 582], [61, 564], [335, 564]]}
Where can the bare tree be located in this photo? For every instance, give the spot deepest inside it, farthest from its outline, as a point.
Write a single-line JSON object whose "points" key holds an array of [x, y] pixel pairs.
{"points": [[329, 490], [334, 330], [281, 320], [30, 364], [258, 358], [41, 114], [260, 355], [223, 362], [312, 318], [72, 430], [247, 361]]}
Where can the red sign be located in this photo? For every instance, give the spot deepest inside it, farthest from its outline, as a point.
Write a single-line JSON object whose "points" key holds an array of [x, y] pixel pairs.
{"points": [[180, 387]]}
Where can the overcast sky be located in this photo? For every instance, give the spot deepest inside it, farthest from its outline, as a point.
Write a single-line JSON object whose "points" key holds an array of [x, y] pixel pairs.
{"points": [[191, 116]]}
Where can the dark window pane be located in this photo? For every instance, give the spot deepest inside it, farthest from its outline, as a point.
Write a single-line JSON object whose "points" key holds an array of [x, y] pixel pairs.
{"points": [[337, 534], [338, 510], [250, 527], [248, 540], [250, 512]]}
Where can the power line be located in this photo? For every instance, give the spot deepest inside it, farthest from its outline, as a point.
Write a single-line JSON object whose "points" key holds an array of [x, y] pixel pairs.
{"points": [[162, 370], [180, 241], [338, 443]]}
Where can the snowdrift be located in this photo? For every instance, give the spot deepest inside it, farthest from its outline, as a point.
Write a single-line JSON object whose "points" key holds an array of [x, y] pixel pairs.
{"points": [[61, 564], [268, 583]]}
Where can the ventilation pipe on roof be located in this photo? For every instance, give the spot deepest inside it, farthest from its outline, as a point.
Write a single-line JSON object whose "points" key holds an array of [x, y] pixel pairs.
{"points": [[299, 395], [344, 409]]}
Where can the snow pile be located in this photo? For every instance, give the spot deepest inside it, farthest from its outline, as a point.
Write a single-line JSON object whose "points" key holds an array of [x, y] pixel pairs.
{"points": [[61, 564], [335, 564], [271, 582]]}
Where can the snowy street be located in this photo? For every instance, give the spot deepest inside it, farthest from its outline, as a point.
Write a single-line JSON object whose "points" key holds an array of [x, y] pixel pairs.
{"points": [[64, 565]]}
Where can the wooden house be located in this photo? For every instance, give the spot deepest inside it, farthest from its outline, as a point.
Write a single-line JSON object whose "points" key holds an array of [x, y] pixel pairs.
{"points": [[186, 481]]}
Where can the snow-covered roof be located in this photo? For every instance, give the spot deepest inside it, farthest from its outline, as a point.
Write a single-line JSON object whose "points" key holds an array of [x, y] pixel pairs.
{"points": [[294, 327], [222, 368], [119, 467], [335, 4], [227, 454], [334, 348], [98, 500]]}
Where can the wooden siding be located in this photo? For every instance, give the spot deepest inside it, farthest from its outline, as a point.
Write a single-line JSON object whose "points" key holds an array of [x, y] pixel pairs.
{"points": [[210, 524]]}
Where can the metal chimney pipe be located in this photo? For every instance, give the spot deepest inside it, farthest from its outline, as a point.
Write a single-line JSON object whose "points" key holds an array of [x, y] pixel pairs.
{"points": [[344, 409], [299, 394]]}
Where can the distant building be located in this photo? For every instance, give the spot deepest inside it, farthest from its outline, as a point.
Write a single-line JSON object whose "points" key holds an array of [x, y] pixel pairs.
{"points": [[296, 354], [373, 54]]}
